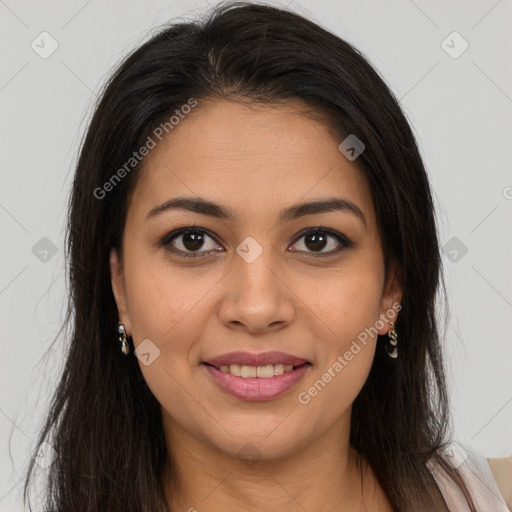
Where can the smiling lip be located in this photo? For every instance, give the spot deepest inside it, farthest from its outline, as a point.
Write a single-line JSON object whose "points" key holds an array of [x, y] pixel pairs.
{"points": [[255, 388], [252, 359]]}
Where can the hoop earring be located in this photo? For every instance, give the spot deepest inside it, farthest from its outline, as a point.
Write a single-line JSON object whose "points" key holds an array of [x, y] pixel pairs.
{"points": [[391, 348], [125, 348]]}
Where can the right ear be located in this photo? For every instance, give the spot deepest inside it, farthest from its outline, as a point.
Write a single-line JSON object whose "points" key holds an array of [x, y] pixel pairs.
{"points": [[118, 288]]}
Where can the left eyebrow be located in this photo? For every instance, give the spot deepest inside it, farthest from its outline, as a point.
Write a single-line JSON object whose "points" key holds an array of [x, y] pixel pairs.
{"points": [[205, 207]]}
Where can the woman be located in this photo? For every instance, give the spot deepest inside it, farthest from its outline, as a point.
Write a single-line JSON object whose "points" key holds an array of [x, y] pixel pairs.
{"points": [[254, 263]]}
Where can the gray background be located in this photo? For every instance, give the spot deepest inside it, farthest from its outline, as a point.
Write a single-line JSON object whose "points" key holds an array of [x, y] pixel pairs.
{"points": [[460, 107]]}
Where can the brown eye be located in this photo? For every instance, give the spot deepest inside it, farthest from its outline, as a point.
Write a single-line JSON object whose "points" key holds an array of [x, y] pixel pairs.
{"points": [[194, 242], [185, 242], [315, 240]]}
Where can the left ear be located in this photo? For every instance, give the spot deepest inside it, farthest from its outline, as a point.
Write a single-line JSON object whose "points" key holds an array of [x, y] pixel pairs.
{"points": [[391, 298], [118, 289]]}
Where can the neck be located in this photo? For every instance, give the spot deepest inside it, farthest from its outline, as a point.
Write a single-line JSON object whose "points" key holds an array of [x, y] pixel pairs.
{"points": [[327, 471]]}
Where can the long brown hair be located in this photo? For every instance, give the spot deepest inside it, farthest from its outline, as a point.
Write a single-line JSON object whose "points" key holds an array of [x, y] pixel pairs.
{"points": [[104, 423]]}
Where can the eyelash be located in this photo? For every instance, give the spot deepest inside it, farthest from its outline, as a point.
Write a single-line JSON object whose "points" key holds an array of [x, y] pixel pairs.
{"points": [[342, 239]]}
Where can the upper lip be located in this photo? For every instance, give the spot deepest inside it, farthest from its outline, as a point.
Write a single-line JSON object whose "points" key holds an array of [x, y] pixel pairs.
{"points": [[255, 359]]}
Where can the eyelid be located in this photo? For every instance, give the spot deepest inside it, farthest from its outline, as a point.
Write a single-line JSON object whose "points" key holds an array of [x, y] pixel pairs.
{"points": [[345, 242], [340, 238], [328, 231], [166, 240]]}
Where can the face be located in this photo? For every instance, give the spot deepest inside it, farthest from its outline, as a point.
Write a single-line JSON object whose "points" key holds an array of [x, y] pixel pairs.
{"points": [[193, 285]]}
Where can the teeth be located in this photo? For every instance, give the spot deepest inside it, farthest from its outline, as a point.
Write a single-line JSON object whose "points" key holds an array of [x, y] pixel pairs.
{"points": [[262, 372]]}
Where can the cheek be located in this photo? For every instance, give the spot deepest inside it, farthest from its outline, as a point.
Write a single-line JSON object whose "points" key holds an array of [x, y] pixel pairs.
{"points": [[344, 302], [331, 393], [346, 307], [164, 302], [349, 309], [168, 306]]}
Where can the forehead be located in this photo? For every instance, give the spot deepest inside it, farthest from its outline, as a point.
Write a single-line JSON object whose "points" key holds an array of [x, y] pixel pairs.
{"points": [[252, 157]]}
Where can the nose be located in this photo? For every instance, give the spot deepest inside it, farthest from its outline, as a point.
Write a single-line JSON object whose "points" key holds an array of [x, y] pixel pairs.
{"points": [[256, 297]]}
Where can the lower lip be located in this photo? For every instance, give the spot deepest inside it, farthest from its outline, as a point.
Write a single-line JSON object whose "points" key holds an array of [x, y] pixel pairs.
{"points": [[254, 388]]}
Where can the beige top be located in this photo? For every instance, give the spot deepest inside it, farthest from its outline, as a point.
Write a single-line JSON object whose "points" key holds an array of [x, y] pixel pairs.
{"points": [[481, 479]]}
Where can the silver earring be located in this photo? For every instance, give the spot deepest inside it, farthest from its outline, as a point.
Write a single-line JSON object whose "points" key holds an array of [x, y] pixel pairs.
{"points": [[125, 348], [392, 350]]}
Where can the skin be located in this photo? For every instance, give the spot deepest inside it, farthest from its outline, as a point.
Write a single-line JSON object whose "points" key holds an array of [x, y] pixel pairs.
{"points": [[257, 160]]}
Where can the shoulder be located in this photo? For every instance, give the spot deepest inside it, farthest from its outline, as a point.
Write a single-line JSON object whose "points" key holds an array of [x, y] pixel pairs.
{"points": [[502, 470], [489, 480]]}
